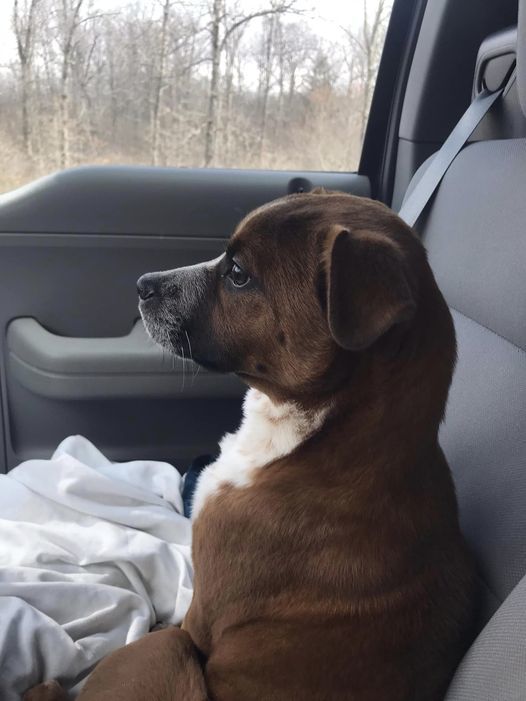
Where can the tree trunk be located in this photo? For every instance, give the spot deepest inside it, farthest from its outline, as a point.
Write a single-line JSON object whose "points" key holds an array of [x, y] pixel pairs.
{"points": [[232, 55], [211, 117], [64, 119], [281, 82], [26, 111], [113, 92], [157, 104], [71, 24], [24, 27], [269, 47], [227, 121]]}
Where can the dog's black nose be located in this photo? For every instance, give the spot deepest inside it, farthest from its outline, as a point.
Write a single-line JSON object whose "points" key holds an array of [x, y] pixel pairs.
{"points": [[148, 286]]}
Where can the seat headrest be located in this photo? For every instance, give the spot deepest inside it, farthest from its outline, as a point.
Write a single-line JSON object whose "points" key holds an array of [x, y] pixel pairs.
{"points": [[521, 55], [496, 60]]}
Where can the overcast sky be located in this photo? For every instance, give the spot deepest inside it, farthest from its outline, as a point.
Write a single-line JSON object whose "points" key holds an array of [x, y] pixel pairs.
{"points": [[325, 17]]}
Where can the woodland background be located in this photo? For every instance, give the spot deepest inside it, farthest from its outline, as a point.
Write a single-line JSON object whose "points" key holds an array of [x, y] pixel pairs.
{"points": [[222, 83]]}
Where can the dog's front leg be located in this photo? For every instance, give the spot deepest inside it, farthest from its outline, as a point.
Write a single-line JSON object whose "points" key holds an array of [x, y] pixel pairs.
{"points": [[47, 691], [161, 666]]}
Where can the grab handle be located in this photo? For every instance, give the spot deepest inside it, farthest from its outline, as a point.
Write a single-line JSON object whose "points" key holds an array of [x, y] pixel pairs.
{"points": [[61, 367]]}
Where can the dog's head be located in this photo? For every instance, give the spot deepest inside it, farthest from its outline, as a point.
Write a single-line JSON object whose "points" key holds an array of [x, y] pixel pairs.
{"points": [[307, 284]]}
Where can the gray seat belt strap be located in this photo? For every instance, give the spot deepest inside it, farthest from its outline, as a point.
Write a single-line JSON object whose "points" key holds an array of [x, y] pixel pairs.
{"points": [[417, 200]]}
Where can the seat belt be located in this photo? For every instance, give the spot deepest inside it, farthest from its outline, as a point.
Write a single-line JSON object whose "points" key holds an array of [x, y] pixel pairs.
{"points": [[418, 199]]}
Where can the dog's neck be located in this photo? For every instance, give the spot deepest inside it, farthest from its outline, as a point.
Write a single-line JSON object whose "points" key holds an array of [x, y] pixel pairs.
{"points": [[394, 404], [268, 431]]}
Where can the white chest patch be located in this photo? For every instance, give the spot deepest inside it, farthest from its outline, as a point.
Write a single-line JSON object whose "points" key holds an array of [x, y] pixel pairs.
{"points": [[268, 431]]}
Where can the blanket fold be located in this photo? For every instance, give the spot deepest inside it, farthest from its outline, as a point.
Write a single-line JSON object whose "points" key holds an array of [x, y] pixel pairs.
{"points": [[92, 554]]}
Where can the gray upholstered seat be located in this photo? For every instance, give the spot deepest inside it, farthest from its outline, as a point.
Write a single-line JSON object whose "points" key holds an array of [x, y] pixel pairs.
{"points": [[475, 233], [476, 240]]}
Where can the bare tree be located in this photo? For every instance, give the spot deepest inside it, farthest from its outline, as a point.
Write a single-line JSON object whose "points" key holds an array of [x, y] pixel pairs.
{"points": [[69, 20], [232, 56], [296, 47], [266, 64], [366, 44], [218, 16], [160, 82], [222, 26], [24, 26]]}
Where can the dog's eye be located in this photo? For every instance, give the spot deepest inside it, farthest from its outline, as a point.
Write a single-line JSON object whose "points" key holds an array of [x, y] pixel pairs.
{"points": [[238, 276]]}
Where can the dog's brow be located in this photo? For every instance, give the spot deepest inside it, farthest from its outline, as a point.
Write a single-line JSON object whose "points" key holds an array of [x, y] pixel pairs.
{"points": [[232, 248]]}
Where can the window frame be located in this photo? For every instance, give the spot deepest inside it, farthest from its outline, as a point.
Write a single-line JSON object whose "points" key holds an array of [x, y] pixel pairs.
{"points": [[379, 149]]}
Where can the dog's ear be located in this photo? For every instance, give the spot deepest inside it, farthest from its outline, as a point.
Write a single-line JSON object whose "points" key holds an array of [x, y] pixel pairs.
{"points": [[367, 288]]}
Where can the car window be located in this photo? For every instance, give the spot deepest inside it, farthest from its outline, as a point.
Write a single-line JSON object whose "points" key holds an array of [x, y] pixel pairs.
{"points": [[276, 84]]}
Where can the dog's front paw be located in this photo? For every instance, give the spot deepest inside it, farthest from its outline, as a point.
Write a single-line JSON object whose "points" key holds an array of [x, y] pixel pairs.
{"points": [[47, 691]]}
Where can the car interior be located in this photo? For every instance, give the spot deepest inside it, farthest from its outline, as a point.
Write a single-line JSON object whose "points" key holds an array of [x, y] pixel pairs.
{"points": [[76, 359]]}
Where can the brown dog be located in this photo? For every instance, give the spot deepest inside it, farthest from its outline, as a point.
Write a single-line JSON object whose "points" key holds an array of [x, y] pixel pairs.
{"points": [[329, 563]]}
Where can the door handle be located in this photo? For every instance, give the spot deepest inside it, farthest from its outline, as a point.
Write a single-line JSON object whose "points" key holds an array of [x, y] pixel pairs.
{"points": [[61, 367]]}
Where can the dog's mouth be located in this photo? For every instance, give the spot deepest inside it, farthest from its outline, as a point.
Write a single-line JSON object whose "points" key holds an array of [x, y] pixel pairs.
{"points": [[170, 331], [165, 328]]}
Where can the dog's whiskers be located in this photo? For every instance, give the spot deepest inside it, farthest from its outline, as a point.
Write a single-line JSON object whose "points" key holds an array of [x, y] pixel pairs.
{"points": [[194, 373], [184, 367]]}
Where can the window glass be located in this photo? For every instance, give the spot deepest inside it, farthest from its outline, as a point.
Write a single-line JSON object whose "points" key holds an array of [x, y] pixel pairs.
{"points": [[276, 84]]}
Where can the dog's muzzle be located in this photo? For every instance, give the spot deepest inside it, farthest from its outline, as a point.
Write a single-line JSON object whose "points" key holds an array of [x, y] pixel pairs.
{"points": [[170, 301]]}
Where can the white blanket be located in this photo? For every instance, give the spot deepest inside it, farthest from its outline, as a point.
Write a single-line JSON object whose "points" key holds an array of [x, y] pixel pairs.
{"points": [[92, 554]]}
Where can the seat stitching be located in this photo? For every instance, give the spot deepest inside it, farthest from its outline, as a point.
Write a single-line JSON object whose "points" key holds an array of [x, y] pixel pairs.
{"points": [[495, 333]]}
